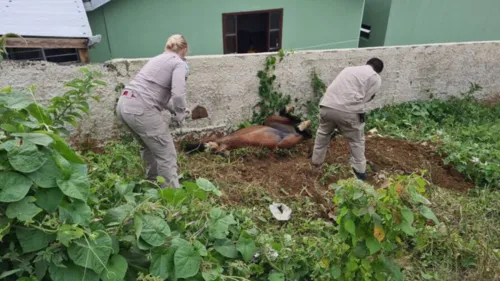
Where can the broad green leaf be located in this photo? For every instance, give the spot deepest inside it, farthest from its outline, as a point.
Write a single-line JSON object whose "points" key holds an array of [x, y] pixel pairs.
{"points": [[206, 185], [27, 158], [71, 272], [373, 245], [116, 269], [4, 161], [350, 227], [76, 212], [357, 195], [155, 230], [63, 148], [187, 262], [92, 254], [180, 243], [39, 113], [276, 276], [47, 175], [141, 244], [117, 215], [393, 268], [247, 248], [420, 199], [407, 228], [8, 145], [76, 185], [49, 199], [17, 101], [41, 269], [174, 196], [13, 186], [9, 273], [202, 250], [162, 263], [407, 215], [32, 240], [219, 224], [24, 210], [226, 248], [8, 128], [36, 138], [116, 244], [138, 225], [335, 272], [427, 213], [68, 233], [193, 189]]}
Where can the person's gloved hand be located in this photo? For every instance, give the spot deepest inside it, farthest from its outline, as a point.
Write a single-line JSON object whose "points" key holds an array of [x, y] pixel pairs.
{"points": [[188, 113], [178, 119]]}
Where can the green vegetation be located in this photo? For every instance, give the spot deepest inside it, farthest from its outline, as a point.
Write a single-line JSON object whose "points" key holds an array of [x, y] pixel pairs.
{"points": [[68, 215], [466, 132]]}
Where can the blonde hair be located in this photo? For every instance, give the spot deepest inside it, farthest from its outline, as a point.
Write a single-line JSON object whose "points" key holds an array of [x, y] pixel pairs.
{"points": [[176, 43]]}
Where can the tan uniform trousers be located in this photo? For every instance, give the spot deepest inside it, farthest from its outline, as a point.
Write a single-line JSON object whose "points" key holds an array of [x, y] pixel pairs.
{"points": [[148, 127], [349, 124]]}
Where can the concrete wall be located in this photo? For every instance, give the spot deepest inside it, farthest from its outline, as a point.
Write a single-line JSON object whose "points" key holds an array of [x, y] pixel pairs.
{"points": [[133, 29], [431, 21], [228, 87]]}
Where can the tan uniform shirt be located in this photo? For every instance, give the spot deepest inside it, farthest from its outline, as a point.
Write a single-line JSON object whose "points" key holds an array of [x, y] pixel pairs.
{"points": [[161, 83], [352, 89]]}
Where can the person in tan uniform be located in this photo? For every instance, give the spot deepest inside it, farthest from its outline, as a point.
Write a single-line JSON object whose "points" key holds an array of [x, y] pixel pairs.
{"points": [[343, 108], [159, 85]]}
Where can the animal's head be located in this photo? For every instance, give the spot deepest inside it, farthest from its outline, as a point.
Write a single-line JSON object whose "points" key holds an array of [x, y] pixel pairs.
{"points": [[211, 146], [304, 129], [289, 108], [304, 125]]}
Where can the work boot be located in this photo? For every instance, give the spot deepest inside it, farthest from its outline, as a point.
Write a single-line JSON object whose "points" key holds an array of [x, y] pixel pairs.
{"points": [[361, 176]]}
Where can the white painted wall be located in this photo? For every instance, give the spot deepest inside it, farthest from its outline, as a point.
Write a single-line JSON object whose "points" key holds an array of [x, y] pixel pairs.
{"points": [[228, 86]]}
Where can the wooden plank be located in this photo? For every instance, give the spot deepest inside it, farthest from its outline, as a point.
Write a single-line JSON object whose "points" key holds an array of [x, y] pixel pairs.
{"points": [[84, 55], [46, 43]]}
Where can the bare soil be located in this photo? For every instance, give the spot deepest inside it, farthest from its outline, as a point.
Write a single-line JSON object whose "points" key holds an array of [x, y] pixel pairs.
{"points": [[289, 173]]}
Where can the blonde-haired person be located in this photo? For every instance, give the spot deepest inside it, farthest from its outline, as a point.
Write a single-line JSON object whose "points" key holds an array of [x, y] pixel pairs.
{"points": [[159, 85]]}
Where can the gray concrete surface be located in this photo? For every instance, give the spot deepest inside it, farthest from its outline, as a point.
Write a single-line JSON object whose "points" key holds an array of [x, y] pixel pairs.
{"points": [[228, 85]]}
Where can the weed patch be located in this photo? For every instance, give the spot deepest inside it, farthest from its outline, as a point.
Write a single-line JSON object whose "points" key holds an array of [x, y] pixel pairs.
{"points": [[465, 132]]}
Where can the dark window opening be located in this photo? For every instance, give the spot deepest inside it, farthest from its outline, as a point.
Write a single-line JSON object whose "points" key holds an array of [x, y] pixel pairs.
{"points": [[252, 32], [52, 55], [365, 31]]}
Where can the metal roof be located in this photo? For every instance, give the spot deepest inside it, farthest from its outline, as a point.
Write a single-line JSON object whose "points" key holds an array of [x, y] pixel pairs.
{"points": [[44, 18]]}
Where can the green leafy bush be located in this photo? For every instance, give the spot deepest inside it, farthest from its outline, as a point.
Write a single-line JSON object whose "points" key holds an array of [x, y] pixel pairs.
{"points": [[43, 184], [373, 225]]}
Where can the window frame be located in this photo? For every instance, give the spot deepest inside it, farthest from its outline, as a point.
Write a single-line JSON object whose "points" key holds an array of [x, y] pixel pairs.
{"points": [[269, 12], [43, 56]]}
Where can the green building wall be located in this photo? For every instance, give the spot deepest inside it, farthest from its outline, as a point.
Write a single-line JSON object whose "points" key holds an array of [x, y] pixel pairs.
{"points": [[139, 29], [376, 14], [433, 21]]}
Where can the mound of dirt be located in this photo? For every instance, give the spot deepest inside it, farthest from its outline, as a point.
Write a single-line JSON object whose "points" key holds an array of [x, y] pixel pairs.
{"points": [[289, 173]]}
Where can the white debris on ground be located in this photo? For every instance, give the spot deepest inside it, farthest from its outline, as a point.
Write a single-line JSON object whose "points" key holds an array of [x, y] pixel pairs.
{"points": [[280, 211]]}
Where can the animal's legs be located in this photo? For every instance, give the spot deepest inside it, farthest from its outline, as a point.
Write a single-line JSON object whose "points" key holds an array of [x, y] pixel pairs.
{"points": [[290, 141]]}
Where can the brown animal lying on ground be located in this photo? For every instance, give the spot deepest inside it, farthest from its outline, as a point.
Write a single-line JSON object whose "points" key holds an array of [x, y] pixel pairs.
{"points": [[283, 131]]}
